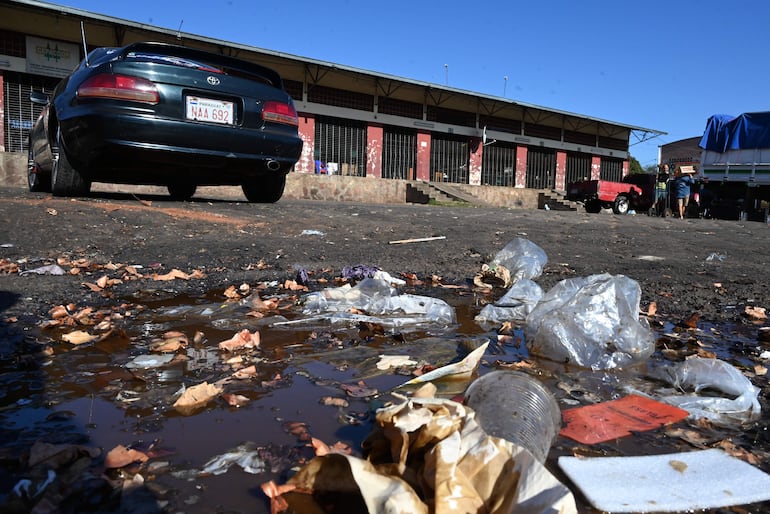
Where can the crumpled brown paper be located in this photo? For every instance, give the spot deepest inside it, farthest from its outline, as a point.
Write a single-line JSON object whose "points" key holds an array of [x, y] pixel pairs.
{"points": [[427, 455]]}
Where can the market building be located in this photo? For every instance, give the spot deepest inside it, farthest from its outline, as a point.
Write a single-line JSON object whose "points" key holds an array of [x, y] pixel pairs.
{"points": [[357, 122]]}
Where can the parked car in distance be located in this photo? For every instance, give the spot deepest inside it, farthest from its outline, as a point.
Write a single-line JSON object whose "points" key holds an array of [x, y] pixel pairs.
{"points": [[166, 115]]}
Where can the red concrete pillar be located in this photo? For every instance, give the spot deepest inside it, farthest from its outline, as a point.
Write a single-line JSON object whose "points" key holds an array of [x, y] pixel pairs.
{"points": [[306, 163], [596, 167], [423, 157], [476, 150], [521, 166], [561, 171], [374, 151], [2, 115]]}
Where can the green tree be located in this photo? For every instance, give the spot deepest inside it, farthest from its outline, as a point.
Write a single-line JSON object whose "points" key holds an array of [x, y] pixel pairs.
{"points": [[634, 166]]}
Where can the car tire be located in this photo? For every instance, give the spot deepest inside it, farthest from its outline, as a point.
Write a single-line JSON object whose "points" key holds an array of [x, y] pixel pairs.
{"points": [[266, 189], [65, 179], [37, 180], [621, 205], [181, 191]]}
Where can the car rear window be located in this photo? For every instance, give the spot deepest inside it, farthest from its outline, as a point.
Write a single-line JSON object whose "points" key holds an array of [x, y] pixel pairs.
{"points": [[193, 64]]}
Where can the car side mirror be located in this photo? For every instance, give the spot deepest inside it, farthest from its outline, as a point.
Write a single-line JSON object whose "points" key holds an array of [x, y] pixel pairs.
{"points": [[36, 97]]}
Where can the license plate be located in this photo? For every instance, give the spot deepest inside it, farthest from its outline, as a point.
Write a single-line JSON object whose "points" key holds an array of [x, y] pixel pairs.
{"points": [[209, 110]]}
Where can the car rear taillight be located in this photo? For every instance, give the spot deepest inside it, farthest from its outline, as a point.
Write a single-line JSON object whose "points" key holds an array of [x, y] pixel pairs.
{"points": [[119, 87], [280, 112]]}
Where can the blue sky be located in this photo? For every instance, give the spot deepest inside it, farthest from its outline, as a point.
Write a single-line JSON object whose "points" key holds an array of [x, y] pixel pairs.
{"points": [[664, 65]]}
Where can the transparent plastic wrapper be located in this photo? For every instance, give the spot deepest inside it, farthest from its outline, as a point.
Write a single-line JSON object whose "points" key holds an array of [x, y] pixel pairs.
{"points": [[522, 257], [516, 407], [515, 305], [591, 322], [380, 302], [696, 374]]}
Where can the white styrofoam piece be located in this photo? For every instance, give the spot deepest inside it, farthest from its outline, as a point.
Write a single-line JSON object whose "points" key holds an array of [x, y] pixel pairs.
{"points": [[667, 483]]}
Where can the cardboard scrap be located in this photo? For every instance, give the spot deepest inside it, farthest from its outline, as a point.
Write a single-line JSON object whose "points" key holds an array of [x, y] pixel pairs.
{"points": [[427, 456], [605, 421]]}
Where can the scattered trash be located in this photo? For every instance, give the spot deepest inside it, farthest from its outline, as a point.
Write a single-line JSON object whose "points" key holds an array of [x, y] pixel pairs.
{"points": [[51, 269], [417, 240], [631, 212], [678, 482], [308, 232], [515, 305], [519, 259], [696, 374], [380, 302], [150, 361], [247, 456], [456, 371], [517, 407], [591, 322], [466, 470], [716, 257], [592, 424]]}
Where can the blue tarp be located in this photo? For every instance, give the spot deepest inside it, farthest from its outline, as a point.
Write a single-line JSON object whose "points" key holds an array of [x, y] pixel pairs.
{"points": [[724, 132]]}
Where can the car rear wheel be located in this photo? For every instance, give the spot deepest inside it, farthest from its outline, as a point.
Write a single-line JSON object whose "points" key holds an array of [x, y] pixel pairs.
{"points": [[37, 180], [268, 189], [66, 180], [621, 205], [181, 191]]}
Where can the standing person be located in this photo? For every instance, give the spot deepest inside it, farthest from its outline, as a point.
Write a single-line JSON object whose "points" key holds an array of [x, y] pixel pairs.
{"points": [[661, 190], [681, 186]]}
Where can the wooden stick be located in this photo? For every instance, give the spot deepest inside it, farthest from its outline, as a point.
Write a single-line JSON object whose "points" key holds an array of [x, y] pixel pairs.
{"points": [[416, 240]]}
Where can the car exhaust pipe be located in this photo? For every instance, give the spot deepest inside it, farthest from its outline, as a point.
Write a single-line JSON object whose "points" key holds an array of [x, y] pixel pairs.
{"points": [[273, 165]]}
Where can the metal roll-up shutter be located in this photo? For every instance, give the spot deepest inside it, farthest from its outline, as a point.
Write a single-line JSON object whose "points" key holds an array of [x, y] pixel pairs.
{"points": [[578, 167], [399, 149], [449, 159], [541, 168], [341, 144], [498, 167], [20, 113], [611, 169]]}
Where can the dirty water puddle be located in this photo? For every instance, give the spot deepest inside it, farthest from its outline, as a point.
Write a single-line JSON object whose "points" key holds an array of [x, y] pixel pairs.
{"points": [[300, 379]]}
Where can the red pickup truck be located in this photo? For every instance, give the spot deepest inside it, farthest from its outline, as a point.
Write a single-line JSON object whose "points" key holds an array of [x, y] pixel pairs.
{"points": [[636, 191]]}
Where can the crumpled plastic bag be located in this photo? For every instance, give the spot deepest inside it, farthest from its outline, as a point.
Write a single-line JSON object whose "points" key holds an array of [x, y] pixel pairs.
{"points": [[376, 298], [591, 322], [430, 455], [515, 305], [519, 259], [696, 374]]}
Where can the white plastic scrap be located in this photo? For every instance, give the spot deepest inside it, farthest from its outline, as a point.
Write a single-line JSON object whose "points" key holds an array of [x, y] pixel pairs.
{"points": [[591, 322], [522, 257], [515, 305], [376, 297], [696, 374]]}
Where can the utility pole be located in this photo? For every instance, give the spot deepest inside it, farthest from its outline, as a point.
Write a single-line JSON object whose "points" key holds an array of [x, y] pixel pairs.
{"points": [[446, 74], [505, 84]]}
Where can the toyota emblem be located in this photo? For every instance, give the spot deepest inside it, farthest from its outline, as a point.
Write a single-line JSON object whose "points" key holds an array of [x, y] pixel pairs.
{"points": [[212, 80]]}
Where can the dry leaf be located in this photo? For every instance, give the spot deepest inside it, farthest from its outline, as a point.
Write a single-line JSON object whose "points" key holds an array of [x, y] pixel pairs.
{"points": [[243, 339], [79, 337], [121, 456], [652, 309], [235, 400], [195, 397], [334, 402], [245, 373], [755, 313], [171, 275]]}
